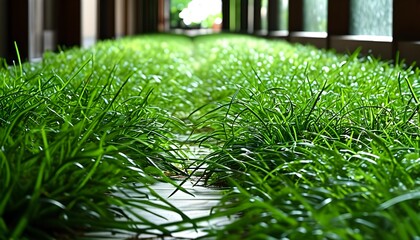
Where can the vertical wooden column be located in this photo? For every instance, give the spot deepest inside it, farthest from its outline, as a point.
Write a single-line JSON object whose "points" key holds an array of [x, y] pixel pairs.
{"points": [[146, 16], [164, 15], [338, 19], [137, 16], [120, 18], [50, 25], [127, 17], [244, 16], [151, 16], [3, 29], [14, 27], [405, 25], [406, 30], [273, 15], [257, 16], [106, 19], [130, 17], [68, 18], [225, 15], [295, 15]]}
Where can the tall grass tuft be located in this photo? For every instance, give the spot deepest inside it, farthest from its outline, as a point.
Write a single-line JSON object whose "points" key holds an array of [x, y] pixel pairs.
{"points": [[314, 145], [74, 129]]}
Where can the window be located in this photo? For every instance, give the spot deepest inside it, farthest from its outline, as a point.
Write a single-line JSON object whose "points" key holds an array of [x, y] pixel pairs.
{"points": [[176, 7], [264, 15], [373, 17], [195, 13], [284, 14], [315, 15]]}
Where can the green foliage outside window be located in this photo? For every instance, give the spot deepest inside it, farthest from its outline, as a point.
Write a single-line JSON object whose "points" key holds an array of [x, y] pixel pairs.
{"points": [[315, 15], [199, 14], [372, 17], [284, 14], [176, 8]]}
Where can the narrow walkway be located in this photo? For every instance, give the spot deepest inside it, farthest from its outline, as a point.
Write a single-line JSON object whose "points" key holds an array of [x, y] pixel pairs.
{"points": [[198, 203]]}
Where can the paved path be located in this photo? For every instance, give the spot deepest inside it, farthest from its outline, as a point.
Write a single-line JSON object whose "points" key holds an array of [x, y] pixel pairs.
{"points": [[198, 203]]}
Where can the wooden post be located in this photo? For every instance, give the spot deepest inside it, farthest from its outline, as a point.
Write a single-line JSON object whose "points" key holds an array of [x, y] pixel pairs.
{"points": [[130, 17], [15, 29], [50, 25], [244, 16], [68, 18], [164, 9], [257, 16], [4, 40], [406, 30], [273, 15], [405, 24], [146, 16], [106, 19], [296, 15], [225, 15], [150, 16], [338, 19]]}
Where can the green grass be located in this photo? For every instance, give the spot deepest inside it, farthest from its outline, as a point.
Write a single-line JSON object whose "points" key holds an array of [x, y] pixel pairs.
{"points": [[73, 128], [318, 146], [312, 144]]}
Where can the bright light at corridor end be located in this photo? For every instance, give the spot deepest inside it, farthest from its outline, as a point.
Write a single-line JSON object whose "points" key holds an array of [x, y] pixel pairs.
{"points": [[199, 10]]}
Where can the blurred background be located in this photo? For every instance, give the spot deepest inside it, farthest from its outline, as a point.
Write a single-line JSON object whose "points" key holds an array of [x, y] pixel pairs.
{"points": [[380, 27]]}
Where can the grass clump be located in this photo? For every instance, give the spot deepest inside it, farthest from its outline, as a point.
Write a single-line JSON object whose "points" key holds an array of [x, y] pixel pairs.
{"points": [[318, 148], [74, 128], [311, 144]]}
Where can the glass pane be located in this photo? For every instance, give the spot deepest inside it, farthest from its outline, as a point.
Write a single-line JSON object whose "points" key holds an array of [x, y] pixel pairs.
{"points": [[264, 11], [284, 14], [196, 13], [373, 17], [315, 15]]}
